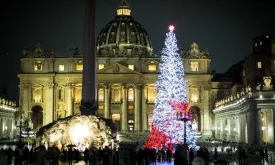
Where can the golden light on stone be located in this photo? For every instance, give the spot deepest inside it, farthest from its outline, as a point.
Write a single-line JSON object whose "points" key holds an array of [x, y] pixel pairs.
{"points": [[79, 132]]}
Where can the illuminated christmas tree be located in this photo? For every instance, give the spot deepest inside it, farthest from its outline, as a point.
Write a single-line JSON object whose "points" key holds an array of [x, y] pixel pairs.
{"points": [[171, 102]]}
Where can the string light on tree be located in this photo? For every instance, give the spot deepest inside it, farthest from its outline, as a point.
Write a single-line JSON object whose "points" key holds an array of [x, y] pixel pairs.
{"points": [[171, 98]]}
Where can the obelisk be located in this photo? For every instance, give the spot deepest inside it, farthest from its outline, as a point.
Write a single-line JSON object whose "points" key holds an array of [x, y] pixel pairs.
{"points": [[88, 102]]}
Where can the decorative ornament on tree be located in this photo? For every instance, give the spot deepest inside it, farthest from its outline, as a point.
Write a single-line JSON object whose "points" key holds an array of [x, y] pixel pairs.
{"points": [[157, 139], [171, 28], [181, 107]]}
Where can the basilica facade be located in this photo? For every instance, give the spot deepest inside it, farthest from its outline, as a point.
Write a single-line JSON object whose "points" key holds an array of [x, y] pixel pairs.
{"points": [[127, 71]]}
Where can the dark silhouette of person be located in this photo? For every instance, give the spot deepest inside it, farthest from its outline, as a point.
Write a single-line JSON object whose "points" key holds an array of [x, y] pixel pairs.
{"points": [[86, 155], [154, 157], [177, 156], [262, 154], [105, 156], [216, 153], [26, 155], [64, 154], [9, 154], [76, 154], [70, 156], [139, 157]]}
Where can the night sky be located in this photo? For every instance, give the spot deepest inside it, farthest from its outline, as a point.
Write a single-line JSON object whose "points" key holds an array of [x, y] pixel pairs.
{"points": [[224, 27]]}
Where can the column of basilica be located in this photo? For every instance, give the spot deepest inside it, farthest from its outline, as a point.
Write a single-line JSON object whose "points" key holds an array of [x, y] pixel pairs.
{"points": [[140, 110], [50, 106], [69, 99], [107, 101], [137, 108], [124, 109], [144, 109]]}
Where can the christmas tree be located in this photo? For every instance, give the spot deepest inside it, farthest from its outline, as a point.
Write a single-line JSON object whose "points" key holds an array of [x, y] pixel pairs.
{"points": [[171, 102]]}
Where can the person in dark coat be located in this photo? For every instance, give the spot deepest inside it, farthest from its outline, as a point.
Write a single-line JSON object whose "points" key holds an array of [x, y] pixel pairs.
{"points": [[105, 155], [216, 153], [70, 156], [139, 157], [177, 156], [26, 155], [262, 155], [9, 153], [86, 155], [76, 154]]}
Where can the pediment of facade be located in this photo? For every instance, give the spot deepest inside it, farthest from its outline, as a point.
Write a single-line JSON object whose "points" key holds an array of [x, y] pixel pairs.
{"points": [[117, 68]]}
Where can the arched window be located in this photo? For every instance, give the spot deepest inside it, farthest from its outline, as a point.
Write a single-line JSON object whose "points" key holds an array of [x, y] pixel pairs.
{"points": [[79, 65], [100, 94], [131, 94], [195, 94], [38, 66], [133, 37], [152, 94], [194, 66], [37, 94], [78, 93], [116, 96]]}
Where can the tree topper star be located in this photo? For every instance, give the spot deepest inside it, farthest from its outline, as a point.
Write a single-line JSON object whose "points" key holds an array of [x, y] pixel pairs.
{"points": [[171, 28]]}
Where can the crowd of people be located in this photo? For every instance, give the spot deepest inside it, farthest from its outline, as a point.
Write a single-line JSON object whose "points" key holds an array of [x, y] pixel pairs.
{"points": [[182, 155], [122, 156], [99, 156]]}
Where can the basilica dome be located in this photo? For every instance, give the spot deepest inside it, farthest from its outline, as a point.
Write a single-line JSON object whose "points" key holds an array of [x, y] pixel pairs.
{"points": [[124, 36]]}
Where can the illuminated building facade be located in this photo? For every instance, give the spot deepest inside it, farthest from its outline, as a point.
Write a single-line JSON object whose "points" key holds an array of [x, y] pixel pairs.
{"points": [[127, 70], [8, 111], [244, 108]]}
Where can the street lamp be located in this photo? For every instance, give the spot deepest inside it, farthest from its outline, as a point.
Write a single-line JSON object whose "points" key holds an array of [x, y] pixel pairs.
{"points": [[20, 129], [183, 118], [28, 133]]}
